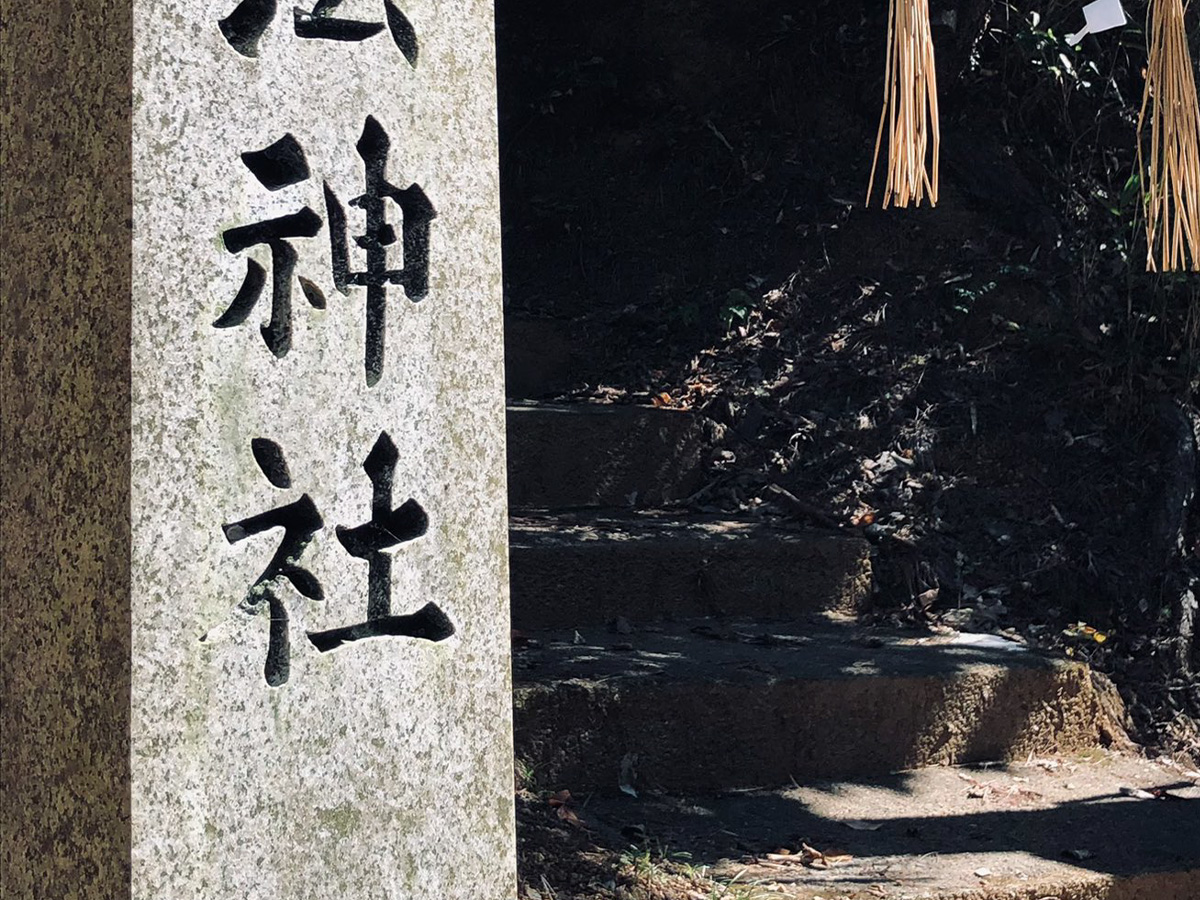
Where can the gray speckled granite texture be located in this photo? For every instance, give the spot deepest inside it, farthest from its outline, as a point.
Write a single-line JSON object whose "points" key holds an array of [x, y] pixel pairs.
{"points": [[381, 769]]}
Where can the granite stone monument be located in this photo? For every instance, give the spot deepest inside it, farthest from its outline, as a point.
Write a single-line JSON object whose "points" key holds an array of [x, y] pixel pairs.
{"points": [[255, 612]]}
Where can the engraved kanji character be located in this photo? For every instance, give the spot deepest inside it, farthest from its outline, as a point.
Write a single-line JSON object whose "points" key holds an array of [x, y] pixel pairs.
{"points": [[388, 527], [250, 19], [299, 520], [417, 212], [277, 166]]}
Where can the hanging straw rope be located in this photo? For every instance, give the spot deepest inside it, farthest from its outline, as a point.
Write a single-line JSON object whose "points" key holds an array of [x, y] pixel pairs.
{"points": [[1171, 183], [910, 108]]}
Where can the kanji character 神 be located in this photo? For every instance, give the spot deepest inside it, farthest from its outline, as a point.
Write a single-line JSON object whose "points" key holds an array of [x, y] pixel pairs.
{"points": [[417, 212]]}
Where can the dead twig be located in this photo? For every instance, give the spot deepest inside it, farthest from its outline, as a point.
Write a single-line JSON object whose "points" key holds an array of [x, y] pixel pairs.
{"points": [[801, 509]]}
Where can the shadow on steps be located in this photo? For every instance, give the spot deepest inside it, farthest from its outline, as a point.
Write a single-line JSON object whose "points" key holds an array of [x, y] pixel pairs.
{"points": [[1048, 828], [745, 703]]}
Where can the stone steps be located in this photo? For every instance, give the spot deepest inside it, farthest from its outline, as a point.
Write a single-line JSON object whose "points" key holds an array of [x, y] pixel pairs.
{"points": [[583, 568], [596, 454], [712, 666], [708, 706], [1037, 829]]}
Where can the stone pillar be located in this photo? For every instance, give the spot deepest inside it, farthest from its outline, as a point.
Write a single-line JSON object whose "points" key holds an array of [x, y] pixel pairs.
{"points": [[253, 521]]}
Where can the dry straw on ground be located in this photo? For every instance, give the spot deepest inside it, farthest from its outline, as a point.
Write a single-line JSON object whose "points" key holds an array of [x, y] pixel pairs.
{"points": [[910, 109], [1171, 175]]}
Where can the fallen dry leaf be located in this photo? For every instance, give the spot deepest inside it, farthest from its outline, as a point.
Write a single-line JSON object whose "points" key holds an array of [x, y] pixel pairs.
{"points": [[863, 516], [559, 802], [560, 799], [1081, 630], [1011, 794], [814, 858], [567, 815], [808, 856]]}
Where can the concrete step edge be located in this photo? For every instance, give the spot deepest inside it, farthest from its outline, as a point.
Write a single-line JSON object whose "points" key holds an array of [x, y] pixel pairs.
{"points": [[786, 700], [596, 454], [582, 568]]}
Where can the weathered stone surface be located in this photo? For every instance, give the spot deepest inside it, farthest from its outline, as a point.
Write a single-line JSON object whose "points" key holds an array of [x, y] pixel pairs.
{"points": [[711, 706], [64, 450], [596, 454], [572, 569], [378, 769]]}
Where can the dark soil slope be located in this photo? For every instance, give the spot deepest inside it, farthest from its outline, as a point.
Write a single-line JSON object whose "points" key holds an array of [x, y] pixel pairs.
{"points": [[992, 391]]}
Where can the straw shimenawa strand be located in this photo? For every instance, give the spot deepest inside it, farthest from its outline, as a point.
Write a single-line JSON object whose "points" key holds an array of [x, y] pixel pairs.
{"points": [[1171, 177], [910, 108]]}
